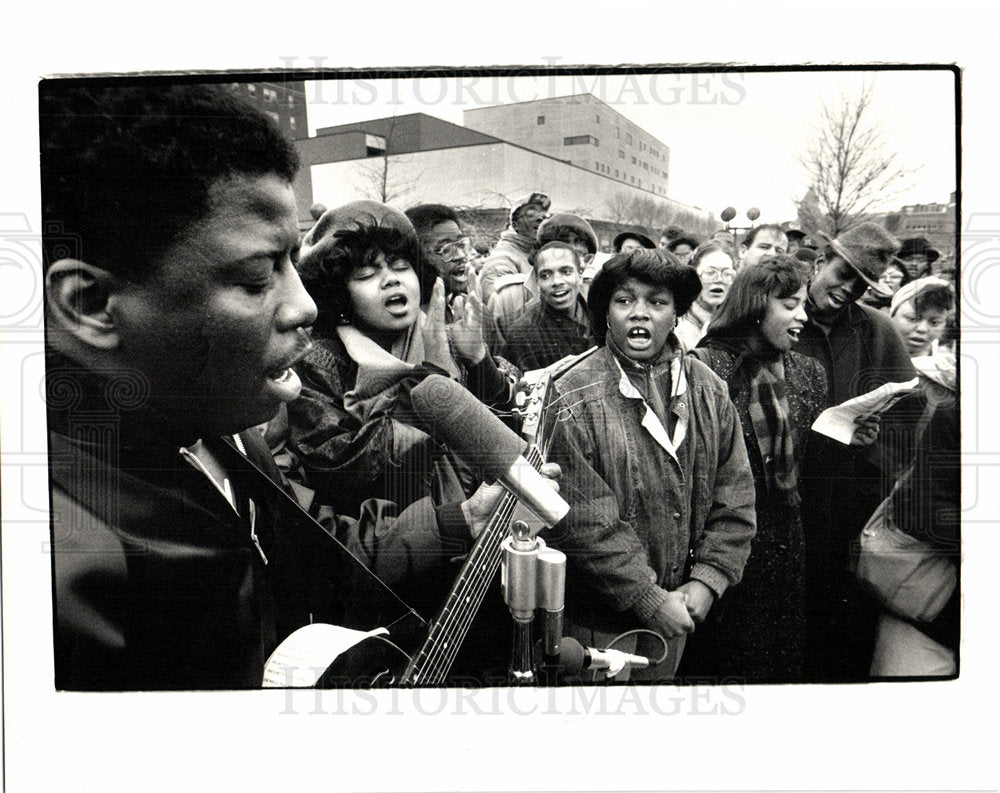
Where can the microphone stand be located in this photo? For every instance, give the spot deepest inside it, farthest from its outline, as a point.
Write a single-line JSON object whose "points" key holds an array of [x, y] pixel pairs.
{"points": [[532, 576]]}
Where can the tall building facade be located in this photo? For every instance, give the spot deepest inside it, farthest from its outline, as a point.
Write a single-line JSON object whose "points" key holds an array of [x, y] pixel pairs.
{"points": [[934, 222], [283, 101], [585, 131]]}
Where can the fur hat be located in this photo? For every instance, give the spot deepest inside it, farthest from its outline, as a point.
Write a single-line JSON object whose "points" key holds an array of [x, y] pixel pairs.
{"points": [[918, 246], [635, 232], [867, 248], [552, 226]]}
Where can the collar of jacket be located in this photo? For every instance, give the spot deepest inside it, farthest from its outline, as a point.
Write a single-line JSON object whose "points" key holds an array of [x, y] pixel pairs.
{"points": [[851, 314], [520, 241], [579, 315]]}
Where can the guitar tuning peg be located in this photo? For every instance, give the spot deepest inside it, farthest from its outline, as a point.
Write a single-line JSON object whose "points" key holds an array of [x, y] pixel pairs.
{"points": [[520, 399]]}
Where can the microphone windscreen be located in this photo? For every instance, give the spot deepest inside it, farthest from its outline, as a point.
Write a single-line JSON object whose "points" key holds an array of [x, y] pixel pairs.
{"points": [[466, 426], [571, 655]]}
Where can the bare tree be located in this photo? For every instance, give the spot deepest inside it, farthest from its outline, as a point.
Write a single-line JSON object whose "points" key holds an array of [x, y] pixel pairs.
{"points": [[851, 165], [378, 184]]}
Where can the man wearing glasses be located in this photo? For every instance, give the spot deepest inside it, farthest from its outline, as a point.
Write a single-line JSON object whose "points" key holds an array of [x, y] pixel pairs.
{"points": [[446, 247]]}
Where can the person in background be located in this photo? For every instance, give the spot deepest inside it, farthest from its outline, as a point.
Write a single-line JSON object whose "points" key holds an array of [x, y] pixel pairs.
{"points": [[842, 484], [446, 247], [761, 241], [716, 269], [654, 468], [920, 313], [669, 234], [895, 276], [556, 323], [510, 255], [682, 248], [513, 293], [632, 238], [795, 239], [757, 633], [918, 256]]}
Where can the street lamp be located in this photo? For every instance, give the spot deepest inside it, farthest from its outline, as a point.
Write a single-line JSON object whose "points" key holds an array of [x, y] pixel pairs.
{"points": [[728, 214]]}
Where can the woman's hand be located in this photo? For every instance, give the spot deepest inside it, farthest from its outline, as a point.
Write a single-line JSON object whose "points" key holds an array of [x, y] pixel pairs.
{"points": [[867, 430], [672, 618], [699, 599], [436, 350], [467, 330]]}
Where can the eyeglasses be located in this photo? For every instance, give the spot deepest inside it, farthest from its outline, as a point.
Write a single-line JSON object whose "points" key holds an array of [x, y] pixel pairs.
{"points": [[450, 251], [714, 274]]}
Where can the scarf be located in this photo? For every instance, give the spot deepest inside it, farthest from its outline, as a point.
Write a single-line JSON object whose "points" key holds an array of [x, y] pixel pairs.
{"points": [[763, 377]]}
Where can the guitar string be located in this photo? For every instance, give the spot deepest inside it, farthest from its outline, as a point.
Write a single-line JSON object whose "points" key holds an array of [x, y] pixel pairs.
{"points": [[426, 658], [457, 625], [454, 625], [461, 618]]}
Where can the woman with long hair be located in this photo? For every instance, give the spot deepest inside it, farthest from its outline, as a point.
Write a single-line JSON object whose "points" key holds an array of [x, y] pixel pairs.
{"points": [[757, 632]]}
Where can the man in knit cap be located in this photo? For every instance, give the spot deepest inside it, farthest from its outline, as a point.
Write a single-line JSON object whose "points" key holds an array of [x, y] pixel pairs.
{"points": [[861, 350], [516, 244]]}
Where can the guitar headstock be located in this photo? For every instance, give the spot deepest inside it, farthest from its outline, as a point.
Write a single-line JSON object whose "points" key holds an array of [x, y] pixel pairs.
{"points": [[530, 399]]}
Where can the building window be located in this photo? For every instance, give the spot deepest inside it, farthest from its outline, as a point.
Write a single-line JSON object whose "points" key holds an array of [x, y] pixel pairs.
{"points": [[291, 122], [597, 119], [628, 138], [632, 179], [270, 95], [578, 140], [252, 89], [645, 166], [616, 173], [621, 154], [540, 120], [633, 160], [618, 132], [291, 99], [234, 86]]}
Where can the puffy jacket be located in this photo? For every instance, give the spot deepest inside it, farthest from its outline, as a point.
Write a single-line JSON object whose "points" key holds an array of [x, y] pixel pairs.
{"points": [[640, 517]]}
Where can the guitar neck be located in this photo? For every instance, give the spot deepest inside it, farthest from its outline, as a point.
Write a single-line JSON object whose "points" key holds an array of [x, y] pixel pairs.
{"points": [[430, 666]]}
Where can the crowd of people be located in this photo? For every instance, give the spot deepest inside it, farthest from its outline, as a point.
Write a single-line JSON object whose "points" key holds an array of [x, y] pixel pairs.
{"points": [[270, 373]]}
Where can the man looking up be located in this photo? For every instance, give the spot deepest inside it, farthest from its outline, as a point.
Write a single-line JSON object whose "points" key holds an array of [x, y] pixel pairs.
{"points": [[554, 324]]}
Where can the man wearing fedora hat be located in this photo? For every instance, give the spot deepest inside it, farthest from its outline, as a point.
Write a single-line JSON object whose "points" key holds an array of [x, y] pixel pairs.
{"points": [[632, 238], [841, 486], [917, 255]]}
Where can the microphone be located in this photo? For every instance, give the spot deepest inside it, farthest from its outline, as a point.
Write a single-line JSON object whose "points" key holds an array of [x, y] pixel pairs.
{"points": [[495, 453], [574, 657]]}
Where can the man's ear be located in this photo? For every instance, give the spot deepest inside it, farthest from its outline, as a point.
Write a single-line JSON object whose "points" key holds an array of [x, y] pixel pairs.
{"points": [[79, 297]]}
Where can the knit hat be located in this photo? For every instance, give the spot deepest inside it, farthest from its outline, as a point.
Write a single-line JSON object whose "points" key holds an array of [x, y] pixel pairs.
{"points": [[909, 291], [867, 248], [552, 227], [349, 216], [542, 201], [918, 246], [636, 232]]}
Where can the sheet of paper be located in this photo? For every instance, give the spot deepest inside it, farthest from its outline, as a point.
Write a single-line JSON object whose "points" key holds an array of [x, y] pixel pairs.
{"points": [[302, 658], [838, 422]]}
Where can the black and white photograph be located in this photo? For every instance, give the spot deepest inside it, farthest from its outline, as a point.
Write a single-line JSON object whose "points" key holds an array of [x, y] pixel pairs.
{"points": [[358, 412]]}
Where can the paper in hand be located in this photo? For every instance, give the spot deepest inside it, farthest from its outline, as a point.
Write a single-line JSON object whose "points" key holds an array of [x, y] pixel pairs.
{"points": [[839, 422]]}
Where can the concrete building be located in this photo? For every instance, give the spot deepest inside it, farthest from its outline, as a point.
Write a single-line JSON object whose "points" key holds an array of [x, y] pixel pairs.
{"points": [[285, 102], [934, 222], [416, 158], [585, 131]]}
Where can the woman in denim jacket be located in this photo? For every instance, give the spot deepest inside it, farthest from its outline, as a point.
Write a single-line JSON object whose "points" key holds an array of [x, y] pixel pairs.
{"points": [[654, 467]]}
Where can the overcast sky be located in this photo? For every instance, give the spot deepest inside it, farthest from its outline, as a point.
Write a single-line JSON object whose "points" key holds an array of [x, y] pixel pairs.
{"points": [[733, 138]]}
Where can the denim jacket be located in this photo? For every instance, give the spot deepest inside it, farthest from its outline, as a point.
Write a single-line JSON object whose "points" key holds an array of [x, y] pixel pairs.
{"points": [[647, 512]]}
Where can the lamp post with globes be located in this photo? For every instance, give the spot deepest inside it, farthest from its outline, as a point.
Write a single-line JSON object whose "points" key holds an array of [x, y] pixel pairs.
{"points": [[727, 215]]}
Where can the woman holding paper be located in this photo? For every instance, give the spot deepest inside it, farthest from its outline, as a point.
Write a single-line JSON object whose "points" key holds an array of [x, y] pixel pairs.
{"points": [[757, 631]]}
